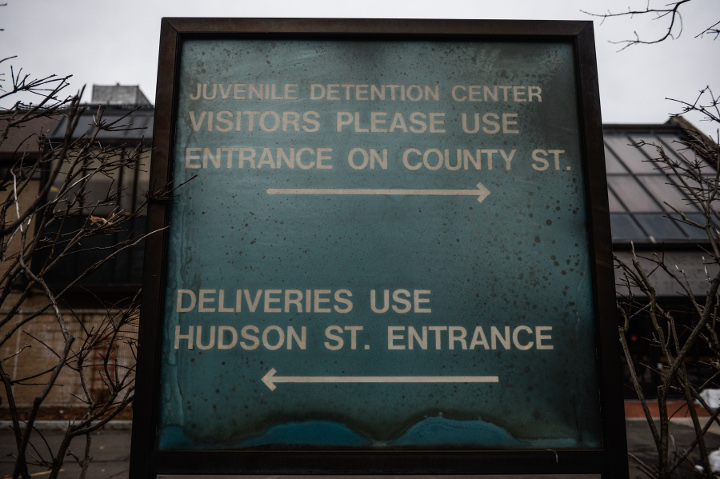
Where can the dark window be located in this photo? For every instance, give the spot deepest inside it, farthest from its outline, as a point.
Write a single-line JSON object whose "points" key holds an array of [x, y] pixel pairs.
{"points": [[625, 229], [108, 194]]}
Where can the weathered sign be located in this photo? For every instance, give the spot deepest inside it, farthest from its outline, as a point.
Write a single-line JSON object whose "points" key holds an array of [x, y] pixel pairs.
{"points": [[381, 243]]}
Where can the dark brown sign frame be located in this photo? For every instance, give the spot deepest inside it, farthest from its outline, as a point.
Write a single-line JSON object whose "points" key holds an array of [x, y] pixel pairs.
{"points": [[610, 459]]}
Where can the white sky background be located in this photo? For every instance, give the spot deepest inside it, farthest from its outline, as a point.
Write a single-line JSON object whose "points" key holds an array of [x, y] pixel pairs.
{"points": [[108, 42]]}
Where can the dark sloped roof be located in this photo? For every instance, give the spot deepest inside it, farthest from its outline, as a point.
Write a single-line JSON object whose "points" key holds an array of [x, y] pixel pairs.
{"points": [[128, 124], [22, 140], [641, 195]]}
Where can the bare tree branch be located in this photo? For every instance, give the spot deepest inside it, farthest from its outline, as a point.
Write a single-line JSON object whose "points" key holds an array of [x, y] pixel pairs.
{"points": [[669, 13], [694, 166], [57, 206]]}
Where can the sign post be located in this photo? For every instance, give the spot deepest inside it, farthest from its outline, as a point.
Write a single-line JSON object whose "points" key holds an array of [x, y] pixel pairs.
{"points": [[387, 251]]}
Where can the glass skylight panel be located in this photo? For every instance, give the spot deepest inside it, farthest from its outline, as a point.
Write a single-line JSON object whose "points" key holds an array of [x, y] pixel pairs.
{"points": [[664, 191], [625, 229], [660, 227], [672, 148], [632, 195], [678, 151], [693, 232], [689, 187], [650, 144], [630, 155], [615, 205], [612, 165], [638, 190]]}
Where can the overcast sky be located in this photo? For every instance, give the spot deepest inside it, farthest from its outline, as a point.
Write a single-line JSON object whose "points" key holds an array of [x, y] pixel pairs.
{"points": [[106, 42]]}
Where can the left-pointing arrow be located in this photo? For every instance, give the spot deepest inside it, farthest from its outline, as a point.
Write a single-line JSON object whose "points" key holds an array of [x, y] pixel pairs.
{"points": [[270, 379]]}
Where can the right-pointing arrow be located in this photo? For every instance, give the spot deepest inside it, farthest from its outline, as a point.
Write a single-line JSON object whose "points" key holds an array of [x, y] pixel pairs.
{"points": [[481, 192]]}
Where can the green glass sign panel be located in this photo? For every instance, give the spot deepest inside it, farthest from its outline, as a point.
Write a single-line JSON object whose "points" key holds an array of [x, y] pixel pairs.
{"points": [[378, 244]]}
